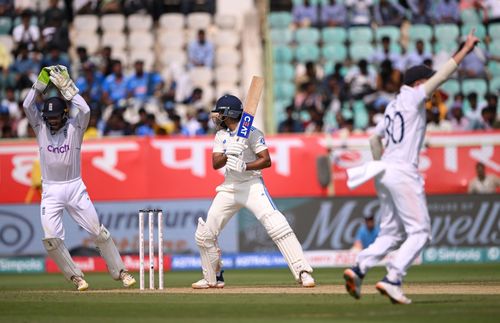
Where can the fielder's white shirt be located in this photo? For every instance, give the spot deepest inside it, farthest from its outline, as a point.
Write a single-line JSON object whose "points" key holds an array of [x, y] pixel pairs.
{"points": [[59, 152], [403, 126], [256, 143]]}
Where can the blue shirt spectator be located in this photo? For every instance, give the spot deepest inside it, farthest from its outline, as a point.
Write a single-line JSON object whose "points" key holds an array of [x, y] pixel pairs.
{"points": [[388, 12], [305, 14], [90, 82], [447, 12], [333, 14], [24, 68], [141, 85], [115, 85], [366, 234], [201, 51], [55, 57]]}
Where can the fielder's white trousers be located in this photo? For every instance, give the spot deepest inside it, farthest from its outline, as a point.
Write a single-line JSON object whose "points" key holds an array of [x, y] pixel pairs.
{"points": [[231, 197], [405, 221], [71, 196]]}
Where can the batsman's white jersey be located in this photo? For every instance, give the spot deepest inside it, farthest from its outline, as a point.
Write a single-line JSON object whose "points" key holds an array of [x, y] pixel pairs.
{"points": [[62, 186]]}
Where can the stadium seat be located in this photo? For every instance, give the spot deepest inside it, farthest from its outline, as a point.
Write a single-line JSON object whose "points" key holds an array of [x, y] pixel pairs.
{"points": [[226, 21], [307, 36], [494, 31], [169, 56], [361, 51], [136, 22], [227, 74], [448, 47], [141, 40], [474, 85], [8, 42], [172, 21], [494, 47], [480, 30], [494, 68], [5, 25], [172, 39], [208, 95], [227, 38], [89, 40], [334, 53], [33, 20], [115, 40], [281, 36], [284, 91], [86, 23], [470, 16], [451, 87], [495, 85], [394, 48], [113, 22], [145, 55], [279, 107], [446, 33], [333, 35], [282, 54], [281, 19], [227, 88], [392, 32], [360, 115], [201, 76], [427, 46], [419, 31], [360, 34], [283, 72], [227, 57], [307, 52], [199, 20]]}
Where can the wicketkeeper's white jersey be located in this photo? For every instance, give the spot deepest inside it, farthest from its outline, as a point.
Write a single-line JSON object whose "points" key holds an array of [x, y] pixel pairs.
{"points": [[403, 126], [59, 152], [256, 144]]}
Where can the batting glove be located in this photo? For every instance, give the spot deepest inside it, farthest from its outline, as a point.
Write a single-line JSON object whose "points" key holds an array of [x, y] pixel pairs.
{"points": [[43, 80], [236, 148], [60, 77], [236, 164]]}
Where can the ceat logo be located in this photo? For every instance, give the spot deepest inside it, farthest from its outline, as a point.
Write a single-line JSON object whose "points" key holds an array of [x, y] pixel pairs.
{"points": [[246, 123]]}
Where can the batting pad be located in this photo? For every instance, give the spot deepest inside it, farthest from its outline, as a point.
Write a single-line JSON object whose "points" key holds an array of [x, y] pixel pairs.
{"points": [[209, 252], [282, 234], [59, 253], [108, 251]]}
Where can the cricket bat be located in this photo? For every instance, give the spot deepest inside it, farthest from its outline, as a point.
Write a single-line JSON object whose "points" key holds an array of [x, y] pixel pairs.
{"points": [[250, 107]]}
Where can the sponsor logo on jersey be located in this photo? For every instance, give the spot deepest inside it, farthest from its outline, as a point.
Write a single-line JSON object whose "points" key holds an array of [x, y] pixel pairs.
{"points": [[245, 125], [58, 150]]}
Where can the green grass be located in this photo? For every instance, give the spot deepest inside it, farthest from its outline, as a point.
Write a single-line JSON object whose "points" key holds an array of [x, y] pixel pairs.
{"points": [[22, 301]]}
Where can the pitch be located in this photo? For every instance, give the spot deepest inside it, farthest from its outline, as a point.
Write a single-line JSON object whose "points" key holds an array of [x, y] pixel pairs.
{"points": [[441, 293]]}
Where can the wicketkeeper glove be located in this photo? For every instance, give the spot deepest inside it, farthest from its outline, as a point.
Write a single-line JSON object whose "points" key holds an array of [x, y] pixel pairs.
{"points": [[43, 80], [236, 164], [236, 148], [60, 77]]}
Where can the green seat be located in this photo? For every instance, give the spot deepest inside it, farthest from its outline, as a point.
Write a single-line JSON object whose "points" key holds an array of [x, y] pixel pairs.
{"points": [[470, 16], [427, 46], [474, 85], [361, 51], [360, 115], [494, 47], [480, 30], [281, 36], [495, 85], [33, 21], [392, 32], [451, 87], [279, 107], [307, 35], [448, 47], [360, 34], [283, 72], [280, 19], [494, 68], [334, 53], [419, 31], [282, 54], [307, 52], [5, 25], [284, 91], [333, 35], [446, 32], [494, 31], [394, 48]]}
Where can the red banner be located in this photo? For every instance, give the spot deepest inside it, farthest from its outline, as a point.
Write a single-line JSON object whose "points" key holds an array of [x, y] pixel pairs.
{"points": [[178, 168]]}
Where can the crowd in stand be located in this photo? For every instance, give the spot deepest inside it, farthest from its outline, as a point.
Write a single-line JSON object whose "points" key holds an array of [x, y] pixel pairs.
{"points": [[329, 101]]}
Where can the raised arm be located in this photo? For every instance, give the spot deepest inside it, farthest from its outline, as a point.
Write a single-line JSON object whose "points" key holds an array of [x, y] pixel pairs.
{"points": [[450, 67], [34, 116]]}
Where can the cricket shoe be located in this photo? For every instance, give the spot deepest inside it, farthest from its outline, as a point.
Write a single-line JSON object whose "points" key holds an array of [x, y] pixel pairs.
{"points": [[80, 283], [306, 279], [353, 280], [203, 283], [393, 291], [127, 279]]}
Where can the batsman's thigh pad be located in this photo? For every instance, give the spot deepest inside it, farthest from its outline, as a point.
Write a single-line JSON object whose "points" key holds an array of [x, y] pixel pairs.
{"points": [[109, 252], [206, 241], [59, 253], [282, 234]]}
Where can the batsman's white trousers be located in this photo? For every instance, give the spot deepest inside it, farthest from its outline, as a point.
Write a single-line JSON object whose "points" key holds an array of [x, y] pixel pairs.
{"points": [[231, 197], [72, 196], [404, 223]]}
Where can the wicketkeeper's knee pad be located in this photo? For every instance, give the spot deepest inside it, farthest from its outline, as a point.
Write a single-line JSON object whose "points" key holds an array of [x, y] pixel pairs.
{"points": [[59, 253], [282, 234], [210, 253], [107, 248]]}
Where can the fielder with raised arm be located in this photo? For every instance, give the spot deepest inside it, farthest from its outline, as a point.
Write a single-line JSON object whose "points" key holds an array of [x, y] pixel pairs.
{"points": [[243, 187], [59, 140], [405, 221]]}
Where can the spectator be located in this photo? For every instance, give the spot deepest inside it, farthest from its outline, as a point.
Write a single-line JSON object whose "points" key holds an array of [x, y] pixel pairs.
{"points": [[435, 123], [203, 119], [53, 12], [195, 99], [474, 113], [489, 119], [361, 80], [147, 128], [309, 74], [92, 131], [388, 12], [201, 51], [141, 84], [114, 85], [475, 64], [55, 57], [333, 14], [385, 53], [25, 33], [305, 14], [458, 121], [421, 11], [491, 11], [308, 97], [447, 12], [366, 234], [483, 183], [290, 124], [103, 61], [360, 12], [90, 83], [11, 103], [178, 128], [116, 125], [418, 56], [55, 34], [82, 58], [24, 68], [388, 83]]}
